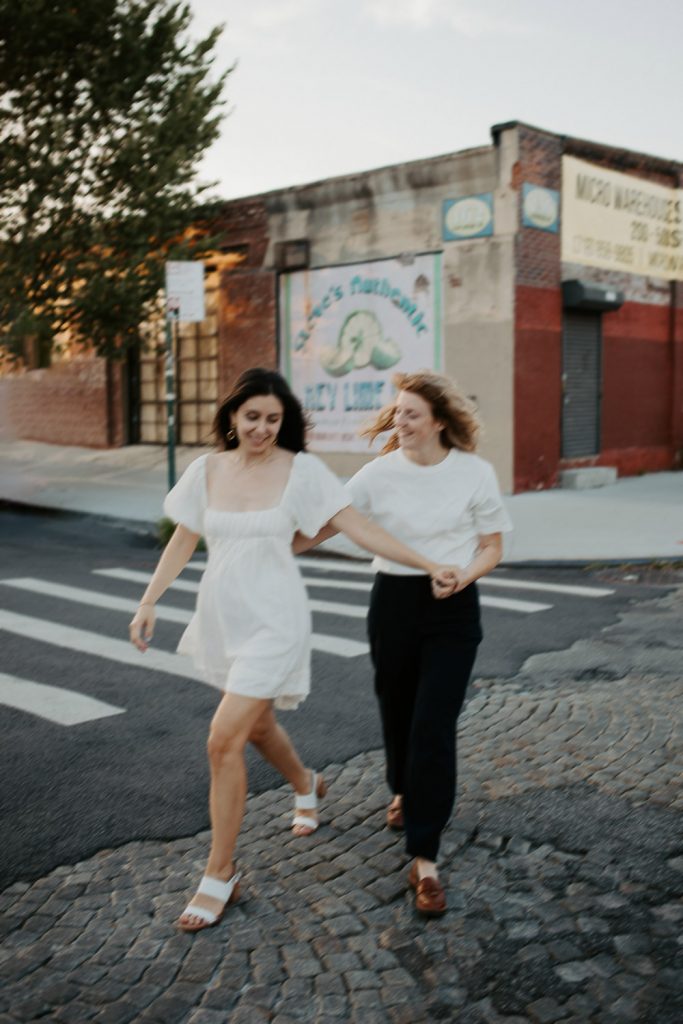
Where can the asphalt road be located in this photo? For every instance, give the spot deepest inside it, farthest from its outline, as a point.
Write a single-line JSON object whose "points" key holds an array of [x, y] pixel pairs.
{"points": [[140, 772]]}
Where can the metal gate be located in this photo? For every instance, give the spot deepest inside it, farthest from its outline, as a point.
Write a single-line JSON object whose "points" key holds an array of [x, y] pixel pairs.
{"points": [[581, 383], [196, 378]]}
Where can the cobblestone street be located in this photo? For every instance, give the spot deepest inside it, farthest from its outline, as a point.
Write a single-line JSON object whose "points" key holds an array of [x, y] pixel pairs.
{"points": [[564, 868]]}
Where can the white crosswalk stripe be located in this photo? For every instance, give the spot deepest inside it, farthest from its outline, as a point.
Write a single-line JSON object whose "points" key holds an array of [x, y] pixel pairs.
{"points": [[85, 642], [67, 707], [318, 582], [134, 576], [349, 611], [549, 588], [320, 642], [94, 598], [189, 586], [513, 604], [312, 583], [324, 564], [54, 703]]}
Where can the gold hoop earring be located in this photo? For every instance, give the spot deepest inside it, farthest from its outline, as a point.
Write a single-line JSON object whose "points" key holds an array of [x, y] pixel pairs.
{"points": [[231, 435]]}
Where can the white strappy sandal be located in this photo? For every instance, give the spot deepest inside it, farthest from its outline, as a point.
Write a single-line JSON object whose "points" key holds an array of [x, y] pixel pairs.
{"points": [[228, 892], [308, 802]]}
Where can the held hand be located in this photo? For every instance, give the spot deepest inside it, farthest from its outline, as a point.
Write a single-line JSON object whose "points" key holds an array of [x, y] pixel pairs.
{"points": [[447, 580], [141, 627]]}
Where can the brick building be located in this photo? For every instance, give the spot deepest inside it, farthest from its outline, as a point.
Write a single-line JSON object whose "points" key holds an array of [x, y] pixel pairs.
{"points": [[543, 272]]}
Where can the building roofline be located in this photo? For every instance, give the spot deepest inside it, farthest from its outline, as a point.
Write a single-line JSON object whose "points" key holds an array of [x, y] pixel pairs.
{"points": [[357, 176], [619, 154], [570, 144]]}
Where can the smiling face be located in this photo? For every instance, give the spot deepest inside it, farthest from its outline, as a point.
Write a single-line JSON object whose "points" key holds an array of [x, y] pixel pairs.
{"points": [[257, 422], [415, 424]]}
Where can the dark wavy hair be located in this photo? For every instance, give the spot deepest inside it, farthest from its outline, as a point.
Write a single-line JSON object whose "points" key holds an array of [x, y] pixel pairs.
{"points": [[257, 381]]}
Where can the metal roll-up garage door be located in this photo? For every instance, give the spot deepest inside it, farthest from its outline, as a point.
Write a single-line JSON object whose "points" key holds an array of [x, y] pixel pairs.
{"points": [[581, 379]]}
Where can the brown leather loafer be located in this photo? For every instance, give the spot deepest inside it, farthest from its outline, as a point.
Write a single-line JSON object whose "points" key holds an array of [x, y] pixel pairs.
{"points": [[430, 899], [395, 819]]}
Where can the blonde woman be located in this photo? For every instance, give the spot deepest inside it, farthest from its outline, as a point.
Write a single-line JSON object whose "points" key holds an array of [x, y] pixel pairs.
{"points": [[429, 489], [250, 634]]}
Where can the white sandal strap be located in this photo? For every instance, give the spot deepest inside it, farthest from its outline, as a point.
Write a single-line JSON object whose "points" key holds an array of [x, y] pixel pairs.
{"points": [[309, 801], [194, 911], [218, 889], [301, 819]]}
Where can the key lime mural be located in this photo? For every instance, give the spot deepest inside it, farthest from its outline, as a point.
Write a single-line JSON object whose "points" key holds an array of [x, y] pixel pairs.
{"points": [[360, 344], [346, 330]]}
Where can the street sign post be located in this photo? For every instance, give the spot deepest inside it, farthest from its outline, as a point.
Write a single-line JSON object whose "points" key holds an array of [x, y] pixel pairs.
{"points": [[184, 303]]}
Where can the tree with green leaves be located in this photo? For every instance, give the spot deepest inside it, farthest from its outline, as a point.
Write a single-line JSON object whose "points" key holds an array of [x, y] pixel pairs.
{"points": [[106, 108]]}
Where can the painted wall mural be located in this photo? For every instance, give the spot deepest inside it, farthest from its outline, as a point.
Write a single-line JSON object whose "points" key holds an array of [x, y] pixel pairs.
{"points": [[344, 332]]}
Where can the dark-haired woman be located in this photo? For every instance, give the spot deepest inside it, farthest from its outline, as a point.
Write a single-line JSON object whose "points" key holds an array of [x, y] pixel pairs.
{"points": [[250, 634], [431, 490]]}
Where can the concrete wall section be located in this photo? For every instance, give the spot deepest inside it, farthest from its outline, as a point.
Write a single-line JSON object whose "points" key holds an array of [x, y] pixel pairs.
{"points": [[380, 213], [398, 210], [479, 338]]}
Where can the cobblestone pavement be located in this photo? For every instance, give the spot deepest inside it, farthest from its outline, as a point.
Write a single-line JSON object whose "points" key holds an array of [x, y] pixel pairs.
{"points": [[564, 867]]}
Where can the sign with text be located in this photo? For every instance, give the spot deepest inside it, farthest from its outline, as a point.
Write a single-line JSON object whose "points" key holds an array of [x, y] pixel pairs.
{"points": [[346, 330], [185, 290], [620, 222]]}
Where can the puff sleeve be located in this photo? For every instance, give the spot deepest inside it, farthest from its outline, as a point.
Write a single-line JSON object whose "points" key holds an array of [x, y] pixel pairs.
{"points": [[186, 502], [489, 512], [317, 496]]}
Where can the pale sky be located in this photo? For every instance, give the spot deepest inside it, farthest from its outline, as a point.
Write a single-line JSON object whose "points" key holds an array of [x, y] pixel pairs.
{"points": [[324, 87]]}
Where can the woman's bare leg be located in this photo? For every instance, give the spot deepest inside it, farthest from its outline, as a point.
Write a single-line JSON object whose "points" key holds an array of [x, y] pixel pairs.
{"points": [[230, 729], [273, 743]]}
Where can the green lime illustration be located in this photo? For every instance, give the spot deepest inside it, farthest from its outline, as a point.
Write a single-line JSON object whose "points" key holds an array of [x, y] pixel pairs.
{"points": [[385, 353], [336, 362], [359, 334], [360, 343]]}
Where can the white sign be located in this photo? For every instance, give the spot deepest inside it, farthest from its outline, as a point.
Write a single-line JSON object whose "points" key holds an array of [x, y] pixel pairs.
{"points": [[185, 290], [346, 330], [620, 222]]}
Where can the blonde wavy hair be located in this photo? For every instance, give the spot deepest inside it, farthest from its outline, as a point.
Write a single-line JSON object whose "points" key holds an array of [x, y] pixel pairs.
{"points": [[456, 411]]}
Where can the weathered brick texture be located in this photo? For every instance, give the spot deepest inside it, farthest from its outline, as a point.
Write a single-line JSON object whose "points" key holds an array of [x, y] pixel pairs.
{"points": [[247, 328], [642, 385], [70, 403]]}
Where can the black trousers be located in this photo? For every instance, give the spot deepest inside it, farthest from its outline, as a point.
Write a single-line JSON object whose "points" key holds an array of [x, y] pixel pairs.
{"points": [[423, 651]]}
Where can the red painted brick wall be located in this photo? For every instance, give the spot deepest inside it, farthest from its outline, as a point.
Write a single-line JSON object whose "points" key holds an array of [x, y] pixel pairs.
{"points": [[642, 402], [537, 386], [636, 377], [247, 331], [676, 344], [66, 404], [538, 324], [247, 324]]}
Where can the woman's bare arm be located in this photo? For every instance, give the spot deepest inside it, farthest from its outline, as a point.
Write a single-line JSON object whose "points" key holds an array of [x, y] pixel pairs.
{"points": [[373, 538], [175, 557], [303, 543], [487, 557]]}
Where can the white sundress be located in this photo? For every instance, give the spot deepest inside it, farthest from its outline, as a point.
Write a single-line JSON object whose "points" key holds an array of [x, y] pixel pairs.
{"points": [[251, 631]]}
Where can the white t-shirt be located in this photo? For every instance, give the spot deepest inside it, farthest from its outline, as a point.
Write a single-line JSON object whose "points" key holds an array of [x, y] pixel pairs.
{"points": [[440, 510]]}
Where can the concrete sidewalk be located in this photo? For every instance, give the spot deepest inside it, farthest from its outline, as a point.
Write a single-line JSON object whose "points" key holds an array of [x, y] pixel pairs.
{"points": [[635, 518]]}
